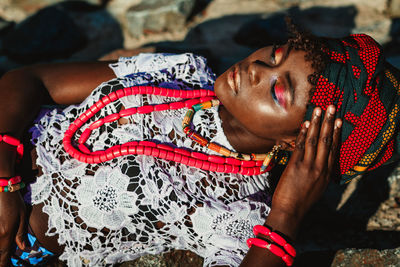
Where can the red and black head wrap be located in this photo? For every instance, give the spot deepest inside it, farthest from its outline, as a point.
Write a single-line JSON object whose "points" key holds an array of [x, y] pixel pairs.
{"points": [[365, 89]]}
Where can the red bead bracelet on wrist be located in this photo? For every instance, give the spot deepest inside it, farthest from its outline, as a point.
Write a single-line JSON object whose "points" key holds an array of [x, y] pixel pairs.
{"points": [[260, 229], [227, 164], [13, 180], [271, 247]]}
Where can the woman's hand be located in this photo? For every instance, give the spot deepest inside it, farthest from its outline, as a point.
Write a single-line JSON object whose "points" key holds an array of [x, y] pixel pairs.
{"points": [[302, 183], [310, 167], [12, 225]]}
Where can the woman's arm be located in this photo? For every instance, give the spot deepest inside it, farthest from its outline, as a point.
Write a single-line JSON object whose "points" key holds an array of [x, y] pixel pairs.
{"points": [[22, 92], [302, 183]]}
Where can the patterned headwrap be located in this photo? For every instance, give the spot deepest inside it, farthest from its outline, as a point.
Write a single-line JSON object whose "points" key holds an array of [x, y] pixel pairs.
{"points": [[365, 89]]}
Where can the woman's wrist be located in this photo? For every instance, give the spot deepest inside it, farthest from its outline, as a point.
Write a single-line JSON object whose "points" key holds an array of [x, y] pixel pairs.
{"points": [[284, 222]]}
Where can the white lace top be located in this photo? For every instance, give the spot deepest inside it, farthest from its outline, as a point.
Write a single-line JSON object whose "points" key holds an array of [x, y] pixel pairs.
{"points": [[134, 205]]}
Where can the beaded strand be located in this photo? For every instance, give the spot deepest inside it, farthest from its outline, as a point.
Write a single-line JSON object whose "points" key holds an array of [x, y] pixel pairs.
{"points": [[210, 145], [195, 159]]}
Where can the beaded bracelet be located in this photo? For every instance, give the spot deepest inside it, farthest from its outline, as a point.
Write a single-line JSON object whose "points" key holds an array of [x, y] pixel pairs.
{"points": [[271, 247], [260, 229], [12, 187], [13, 142], [12, 180]]}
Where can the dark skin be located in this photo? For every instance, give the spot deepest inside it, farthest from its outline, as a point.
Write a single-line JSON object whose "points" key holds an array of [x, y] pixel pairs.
{"points": [[308, 170]]}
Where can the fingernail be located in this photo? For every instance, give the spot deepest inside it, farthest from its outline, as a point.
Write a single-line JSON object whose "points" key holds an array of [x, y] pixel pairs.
{"points": [[317, 112], [307, 124], [338, 124], [331, 109]]}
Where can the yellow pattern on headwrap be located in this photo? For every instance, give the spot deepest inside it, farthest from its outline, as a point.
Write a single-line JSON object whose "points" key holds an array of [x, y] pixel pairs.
{"points": [[393, 80], [365, 161]]}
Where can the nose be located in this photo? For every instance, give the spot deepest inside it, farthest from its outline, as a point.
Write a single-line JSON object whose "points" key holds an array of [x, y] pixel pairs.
{"points": [[256, 72]]}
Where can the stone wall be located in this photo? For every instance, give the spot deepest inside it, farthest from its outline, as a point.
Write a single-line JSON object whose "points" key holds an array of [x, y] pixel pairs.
{"points": [[222, 30]]}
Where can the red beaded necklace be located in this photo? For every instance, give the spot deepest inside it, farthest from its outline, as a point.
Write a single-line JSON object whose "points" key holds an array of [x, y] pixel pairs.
{"points": [[163, 151]]}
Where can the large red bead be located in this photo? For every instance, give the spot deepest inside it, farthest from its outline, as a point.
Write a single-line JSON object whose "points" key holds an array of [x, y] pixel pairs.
{"points": [[145, 109], [161, 107]]}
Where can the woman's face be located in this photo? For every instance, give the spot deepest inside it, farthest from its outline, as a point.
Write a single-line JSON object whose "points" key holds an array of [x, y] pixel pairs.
{"points": [[268, 91]]}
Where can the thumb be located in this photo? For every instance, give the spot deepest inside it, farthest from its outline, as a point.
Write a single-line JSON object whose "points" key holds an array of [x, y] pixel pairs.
{"points": [[20, 238]]}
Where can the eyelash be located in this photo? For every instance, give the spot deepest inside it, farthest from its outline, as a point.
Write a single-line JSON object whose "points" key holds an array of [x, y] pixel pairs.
{"points": [[273, 59]]}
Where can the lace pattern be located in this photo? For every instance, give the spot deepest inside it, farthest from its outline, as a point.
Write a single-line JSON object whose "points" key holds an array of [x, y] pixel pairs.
{"points": [[134, 205]]}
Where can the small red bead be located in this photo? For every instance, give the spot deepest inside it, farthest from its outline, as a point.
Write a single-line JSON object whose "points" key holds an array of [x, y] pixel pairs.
{"points": [[106, 100], [128, 91], [170, 155], [99, 104], [213, 167], [120, 93], [163, 154], [199, 155], [163, 91], [220, 168], [191, 162], [124, 150], [139, 150], [103, 157], [185, 160], [165, 147], [147, 143], [155, 152], [228, 168], [109, 155], [147, 151], [96, 159], [157, 91], [177, 157], [206, 165], [94, 109], [177, 93], [199, 163], [149, 90], [113, 96], [132, 150]]}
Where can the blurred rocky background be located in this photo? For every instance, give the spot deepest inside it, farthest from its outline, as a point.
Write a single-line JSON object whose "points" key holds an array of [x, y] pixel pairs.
{"points": [[354, 225]]}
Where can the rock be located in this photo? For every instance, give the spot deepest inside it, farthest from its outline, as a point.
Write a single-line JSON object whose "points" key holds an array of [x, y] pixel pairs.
{"points": [[394, 8], [366, 257], [49, 33], [102, 31], [158, 16]]}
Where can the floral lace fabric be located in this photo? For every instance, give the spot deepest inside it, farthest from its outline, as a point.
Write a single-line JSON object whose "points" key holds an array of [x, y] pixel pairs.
{"points": [[135, 205]]}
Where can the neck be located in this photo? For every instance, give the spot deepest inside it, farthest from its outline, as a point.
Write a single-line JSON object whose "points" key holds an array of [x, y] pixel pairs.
{"points": [[240, 138]]}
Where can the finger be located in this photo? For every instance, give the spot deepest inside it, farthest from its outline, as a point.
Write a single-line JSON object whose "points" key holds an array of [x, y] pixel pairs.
{"points": [[20, 238], [335, 144], [312, 137], [325, 138], [298, 152]]}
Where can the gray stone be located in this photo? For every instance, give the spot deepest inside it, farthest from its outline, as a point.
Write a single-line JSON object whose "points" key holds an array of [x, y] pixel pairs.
{"points": [[49, 33], [394, 8], [158, 16]]}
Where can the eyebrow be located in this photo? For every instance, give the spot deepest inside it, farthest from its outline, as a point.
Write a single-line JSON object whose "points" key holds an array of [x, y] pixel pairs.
{"points": [[292, 91]]}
